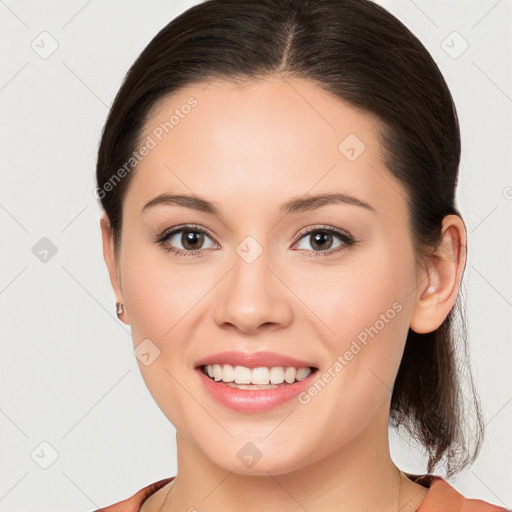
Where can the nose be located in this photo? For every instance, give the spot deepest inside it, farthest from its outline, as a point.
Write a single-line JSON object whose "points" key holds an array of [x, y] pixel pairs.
{"points": [[253, 297]]}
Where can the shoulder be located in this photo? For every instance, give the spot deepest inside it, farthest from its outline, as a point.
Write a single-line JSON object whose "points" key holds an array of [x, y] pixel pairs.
{"points": [[133, 503], [443, 497]]}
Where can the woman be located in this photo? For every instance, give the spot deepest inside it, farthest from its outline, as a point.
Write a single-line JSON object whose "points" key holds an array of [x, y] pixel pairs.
{"points": [[280, 229]]}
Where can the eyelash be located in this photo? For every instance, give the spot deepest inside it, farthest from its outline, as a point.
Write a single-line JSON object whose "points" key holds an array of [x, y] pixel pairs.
{"points": [[347, 239]]}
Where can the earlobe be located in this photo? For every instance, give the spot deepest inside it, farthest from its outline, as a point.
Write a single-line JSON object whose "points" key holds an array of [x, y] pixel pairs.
{"points": [[441, 277], [109, 256]]}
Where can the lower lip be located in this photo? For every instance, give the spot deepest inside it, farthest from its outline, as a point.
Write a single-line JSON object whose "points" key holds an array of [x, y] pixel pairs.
{"points": [[253, 400]]}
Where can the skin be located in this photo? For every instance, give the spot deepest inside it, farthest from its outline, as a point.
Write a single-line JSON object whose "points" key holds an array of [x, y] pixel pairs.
{"points": [[248, 148]]}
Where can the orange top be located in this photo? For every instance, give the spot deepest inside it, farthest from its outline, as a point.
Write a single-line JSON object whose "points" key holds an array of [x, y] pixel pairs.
{"points": [[442, 497]]}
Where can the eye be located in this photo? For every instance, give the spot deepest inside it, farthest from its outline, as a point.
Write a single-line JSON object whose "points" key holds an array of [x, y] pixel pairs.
{"points": [[191, 238], [322, 239]]}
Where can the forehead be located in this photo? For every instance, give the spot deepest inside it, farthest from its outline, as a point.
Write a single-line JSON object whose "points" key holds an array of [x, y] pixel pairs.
{"points": [[268, 138]]}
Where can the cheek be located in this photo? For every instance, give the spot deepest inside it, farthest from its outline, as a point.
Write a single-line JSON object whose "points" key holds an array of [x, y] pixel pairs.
{"points": [[160, 296], [157, 292], [364, 309], [146, 291], [354, 296], [367, 317]]}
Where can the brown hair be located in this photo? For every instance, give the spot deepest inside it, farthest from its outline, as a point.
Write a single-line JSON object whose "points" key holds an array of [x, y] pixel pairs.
{"points": [[362, 54]]}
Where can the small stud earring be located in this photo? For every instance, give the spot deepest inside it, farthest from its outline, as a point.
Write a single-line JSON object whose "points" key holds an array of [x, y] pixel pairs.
{"points": [[119, 309]]}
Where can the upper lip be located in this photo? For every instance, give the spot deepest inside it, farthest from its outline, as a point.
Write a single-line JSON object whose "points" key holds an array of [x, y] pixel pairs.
{"points": [[252, 360]]}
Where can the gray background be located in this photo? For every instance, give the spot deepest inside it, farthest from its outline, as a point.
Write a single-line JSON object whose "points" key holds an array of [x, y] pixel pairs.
{"points": [[78, 427]]}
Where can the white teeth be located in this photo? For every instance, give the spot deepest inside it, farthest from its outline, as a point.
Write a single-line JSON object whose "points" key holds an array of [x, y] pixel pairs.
{"points": [[289, 375], [261, 375], [302, 373], [241, 373], [217, 372], [277, 375]]}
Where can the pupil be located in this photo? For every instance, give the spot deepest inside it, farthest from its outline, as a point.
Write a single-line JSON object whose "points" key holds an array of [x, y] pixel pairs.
{"points": [[191, 237], [320, 239]]}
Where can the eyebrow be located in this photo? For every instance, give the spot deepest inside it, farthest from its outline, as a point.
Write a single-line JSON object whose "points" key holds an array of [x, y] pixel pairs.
{"points": [[294, 205]]}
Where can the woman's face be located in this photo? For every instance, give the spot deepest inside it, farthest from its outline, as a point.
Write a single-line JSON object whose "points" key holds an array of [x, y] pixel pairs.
{"points": [[258, 282]]}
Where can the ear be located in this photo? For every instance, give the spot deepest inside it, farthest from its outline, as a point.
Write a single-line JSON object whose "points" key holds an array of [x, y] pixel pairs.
{"points": [[112, 263], [440, 280]]}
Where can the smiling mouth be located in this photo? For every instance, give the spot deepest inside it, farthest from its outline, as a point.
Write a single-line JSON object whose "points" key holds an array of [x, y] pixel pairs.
{"points": [[279, 376]]}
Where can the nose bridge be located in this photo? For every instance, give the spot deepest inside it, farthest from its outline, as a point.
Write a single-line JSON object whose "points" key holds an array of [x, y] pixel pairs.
{"points": [[251, 295]]}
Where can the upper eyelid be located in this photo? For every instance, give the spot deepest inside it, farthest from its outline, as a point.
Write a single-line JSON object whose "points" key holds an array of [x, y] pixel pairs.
{"points": [[190, 227], [324, 227]]}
